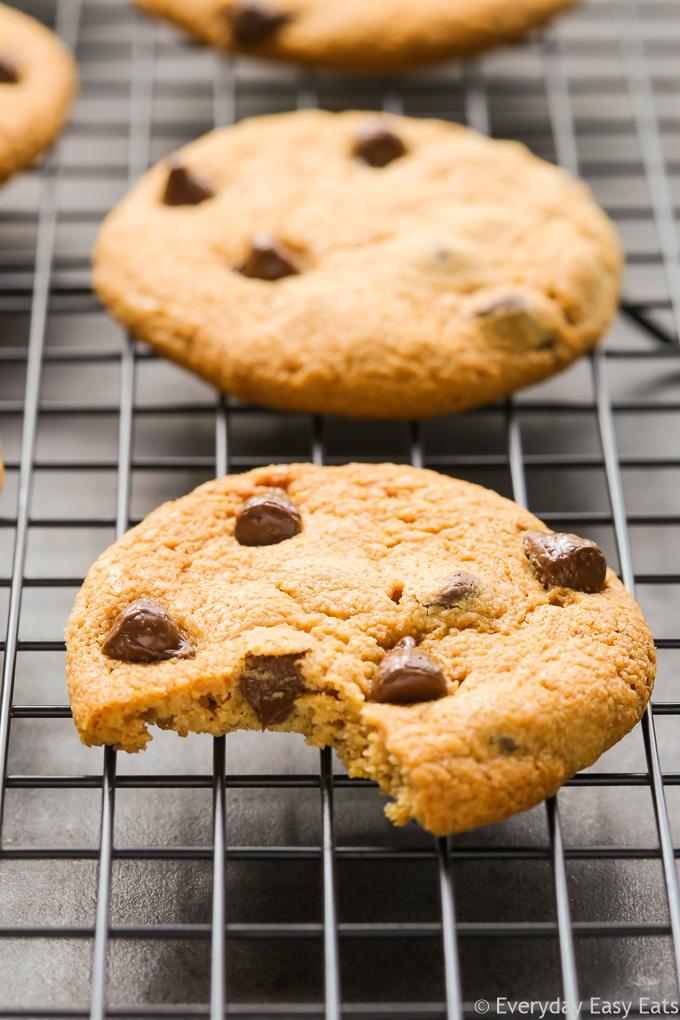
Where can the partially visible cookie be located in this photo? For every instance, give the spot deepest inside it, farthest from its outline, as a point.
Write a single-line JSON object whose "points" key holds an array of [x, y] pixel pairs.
{"points": [[436, 635], [360, 264], [37, 85], [358, 35]]}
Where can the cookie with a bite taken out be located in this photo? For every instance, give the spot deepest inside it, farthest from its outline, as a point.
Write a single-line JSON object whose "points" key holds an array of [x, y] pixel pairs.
{"points": [[438, 636]]}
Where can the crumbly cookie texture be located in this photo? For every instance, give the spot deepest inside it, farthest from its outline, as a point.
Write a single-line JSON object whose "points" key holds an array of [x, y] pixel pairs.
{"points": [[313, 267], [401, 621], [358, 35], [37, 85]]}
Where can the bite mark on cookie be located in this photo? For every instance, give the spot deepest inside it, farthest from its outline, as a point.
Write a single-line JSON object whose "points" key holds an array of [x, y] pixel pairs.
{"points": [[299, 637]]}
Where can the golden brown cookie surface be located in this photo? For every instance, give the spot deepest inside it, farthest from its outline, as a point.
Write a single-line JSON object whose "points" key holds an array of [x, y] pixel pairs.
{"points": [[398, 618], [37, 85], [375, 267], [358, 35]]}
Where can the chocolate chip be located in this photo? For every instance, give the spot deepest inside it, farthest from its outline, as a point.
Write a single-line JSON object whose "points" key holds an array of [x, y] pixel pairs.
{"points": [[267, 519], [268, 260], [566, 560], [457, 587], [254, 22], [184, 187], [507, 745], [270, 684], [145, 632], [9, 74], [376, 146], [406, 675], [507, 304], [512, 318]]}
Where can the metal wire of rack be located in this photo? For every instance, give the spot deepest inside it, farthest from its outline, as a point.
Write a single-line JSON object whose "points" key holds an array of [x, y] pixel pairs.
{"points": [[593, 93]]}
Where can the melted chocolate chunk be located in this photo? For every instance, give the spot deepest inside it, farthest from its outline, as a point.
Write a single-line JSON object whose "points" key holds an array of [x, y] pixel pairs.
{"points": [[512, 318], [253, 22], [507, 745], [145, 632], [268, 260], [9, 74], [566, 561], [407, 675], [376, 146], [457, 587], [184, 187], [267, 519], [270, 684]]}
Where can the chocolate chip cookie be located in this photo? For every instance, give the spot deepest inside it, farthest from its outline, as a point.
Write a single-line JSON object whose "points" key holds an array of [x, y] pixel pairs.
{"points": [[357, 35], [438, 636], [361, 264], [37, 86]]}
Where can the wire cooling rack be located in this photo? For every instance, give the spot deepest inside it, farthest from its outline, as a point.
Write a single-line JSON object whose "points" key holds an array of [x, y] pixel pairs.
{"points": [[227, 882]]}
